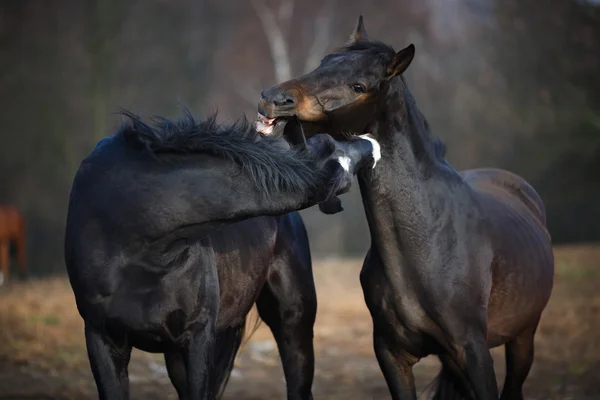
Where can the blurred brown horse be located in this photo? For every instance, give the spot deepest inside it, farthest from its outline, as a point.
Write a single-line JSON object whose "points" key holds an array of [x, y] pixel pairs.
{"points": [[12, 230]]}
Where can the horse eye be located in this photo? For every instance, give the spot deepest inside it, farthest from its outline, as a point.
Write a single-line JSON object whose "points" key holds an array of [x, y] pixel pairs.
{"points": [[358, 88]]}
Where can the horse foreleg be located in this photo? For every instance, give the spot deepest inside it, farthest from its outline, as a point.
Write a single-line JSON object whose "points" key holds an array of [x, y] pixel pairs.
{"points": [[177, 373], [109, 365], [200, 361], [198, 347], [471, 362], [396, 365], [288, 305], [21, 249], [4, 261], [445, 386]]}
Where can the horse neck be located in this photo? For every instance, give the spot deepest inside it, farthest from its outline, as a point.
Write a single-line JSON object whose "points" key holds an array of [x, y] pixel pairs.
{"points": [[407, 193]]}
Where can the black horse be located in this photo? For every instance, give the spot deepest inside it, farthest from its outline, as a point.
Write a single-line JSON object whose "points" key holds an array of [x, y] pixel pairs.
{"points": [[459, 261], [155, 262]]}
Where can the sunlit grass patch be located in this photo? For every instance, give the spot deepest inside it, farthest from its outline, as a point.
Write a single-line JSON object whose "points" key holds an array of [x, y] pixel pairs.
{"points": [[42, 332], [40, 324]]}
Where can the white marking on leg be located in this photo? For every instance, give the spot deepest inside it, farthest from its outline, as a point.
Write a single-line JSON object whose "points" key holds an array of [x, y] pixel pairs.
{"points": [[345, 162], [1, 278], [376, 147]]}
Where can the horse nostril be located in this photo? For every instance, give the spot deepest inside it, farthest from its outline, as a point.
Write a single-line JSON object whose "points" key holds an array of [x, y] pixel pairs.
{"points": [[284, 101]]}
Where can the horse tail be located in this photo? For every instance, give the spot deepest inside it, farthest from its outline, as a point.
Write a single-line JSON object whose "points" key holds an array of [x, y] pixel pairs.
{"points": [[229, 342], [254, 325], [445, 386]]}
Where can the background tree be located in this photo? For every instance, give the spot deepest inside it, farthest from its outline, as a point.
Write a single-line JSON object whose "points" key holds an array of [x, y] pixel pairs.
{"points": [[505, 83]]}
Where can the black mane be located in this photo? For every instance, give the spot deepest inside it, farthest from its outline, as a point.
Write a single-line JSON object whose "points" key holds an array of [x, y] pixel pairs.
{"points": [[270, 163], [438, 145]]}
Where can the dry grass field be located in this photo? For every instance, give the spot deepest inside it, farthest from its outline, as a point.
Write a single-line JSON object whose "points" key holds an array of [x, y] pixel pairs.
{"points": [[42, 351]]}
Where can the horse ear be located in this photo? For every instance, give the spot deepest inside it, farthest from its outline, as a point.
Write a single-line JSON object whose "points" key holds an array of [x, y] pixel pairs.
{"points": [[359, 34], [401, 61]]}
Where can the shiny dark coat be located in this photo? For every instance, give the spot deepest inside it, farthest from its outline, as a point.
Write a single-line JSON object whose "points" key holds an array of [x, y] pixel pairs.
{"points": [[459, 261]]}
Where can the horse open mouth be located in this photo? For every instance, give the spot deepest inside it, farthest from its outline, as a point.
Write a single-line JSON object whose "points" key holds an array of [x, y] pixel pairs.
{"points": [[270, 126]]}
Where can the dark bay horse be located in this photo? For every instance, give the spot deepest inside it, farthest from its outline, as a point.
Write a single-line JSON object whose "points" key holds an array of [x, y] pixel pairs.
{"points": [[164, 252], [12, 232], [459, 261]]}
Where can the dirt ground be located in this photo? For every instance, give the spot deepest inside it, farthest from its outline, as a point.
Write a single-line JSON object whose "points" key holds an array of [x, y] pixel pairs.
{"points": [[42, 352]]}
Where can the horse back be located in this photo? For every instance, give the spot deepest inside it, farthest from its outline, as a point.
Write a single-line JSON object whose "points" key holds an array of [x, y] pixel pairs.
{"points": [[514, 214], [508, 186]]}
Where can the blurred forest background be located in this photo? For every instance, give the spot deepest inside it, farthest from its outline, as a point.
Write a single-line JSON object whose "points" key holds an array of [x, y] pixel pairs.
{"points": [[505, 83]]}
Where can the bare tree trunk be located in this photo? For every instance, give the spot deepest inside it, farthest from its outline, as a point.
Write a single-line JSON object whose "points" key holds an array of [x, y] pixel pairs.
{"points": [[105, 19], [275, 26], [322, 36], [275, 38]]}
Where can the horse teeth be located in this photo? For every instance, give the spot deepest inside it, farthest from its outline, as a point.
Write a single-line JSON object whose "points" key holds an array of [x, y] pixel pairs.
{"points": [[263, 128], [265, 120]]}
